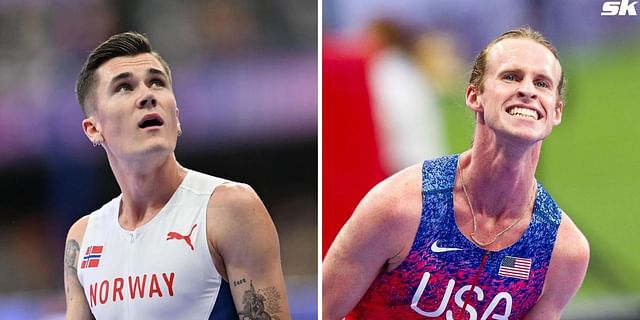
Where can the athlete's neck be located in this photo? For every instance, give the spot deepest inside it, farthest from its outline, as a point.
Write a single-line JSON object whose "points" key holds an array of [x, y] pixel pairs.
{"points": [[146, 189], [500, 182]]}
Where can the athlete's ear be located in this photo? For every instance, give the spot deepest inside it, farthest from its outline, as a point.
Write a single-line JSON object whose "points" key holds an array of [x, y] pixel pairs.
{"points": [[91, 128], [473, 100], [178, 121], [557, 113]]}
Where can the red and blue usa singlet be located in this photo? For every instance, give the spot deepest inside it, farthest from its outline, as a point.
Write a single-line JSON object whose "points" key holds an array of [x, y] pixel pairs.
{"points": [[445, 272]]}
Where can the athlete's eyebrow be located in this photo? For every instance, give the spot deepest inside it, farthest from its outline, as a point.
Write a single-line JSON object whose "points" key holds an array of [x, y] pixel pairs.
{"points": [[154, 71], [544, 77], [127, 75], [121, 76]]}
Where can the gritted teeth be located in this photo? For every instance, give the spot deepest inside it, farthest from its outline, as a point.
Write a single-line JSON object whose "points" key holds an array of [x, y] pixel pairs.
{"points": [[524, 112]]}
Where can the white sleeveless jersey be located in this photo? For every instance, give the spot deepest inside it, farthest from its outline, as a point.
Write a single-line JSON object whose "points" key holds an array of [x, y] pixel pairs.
{"points": [[162, 270]]}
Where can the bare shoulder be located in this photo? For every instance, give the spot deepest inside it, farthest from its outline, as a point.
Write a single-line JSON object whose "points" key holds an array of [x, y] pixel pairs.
{"points": [[234, 195], [397, 197], [237, 202], [235, 211], [392, 208], [78, 228], [572, 247]]}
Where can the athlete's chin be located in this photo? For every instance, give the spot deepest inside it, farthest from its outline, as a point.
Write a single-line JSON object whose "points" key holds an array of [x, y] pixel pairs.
{"points": [[528, 138], [524, 136], [155, 149], [158, 144]]}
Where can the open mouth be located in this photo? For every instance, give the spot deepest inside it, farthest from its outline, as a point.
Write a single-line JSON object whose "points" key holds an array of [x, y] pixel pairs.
{"points": [[152, 120], [523, 112]]}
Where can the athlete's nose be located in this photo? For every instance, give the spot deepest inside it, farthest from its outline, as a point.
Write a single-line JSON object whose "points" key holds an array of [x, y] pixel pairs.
{"points": [[147, 101], [526, 90]]}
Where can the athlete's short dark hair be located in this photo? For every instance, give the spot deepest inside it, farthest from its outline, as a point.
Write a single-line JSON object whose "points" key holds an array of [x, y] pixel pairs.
{"points": [[123, 44]]}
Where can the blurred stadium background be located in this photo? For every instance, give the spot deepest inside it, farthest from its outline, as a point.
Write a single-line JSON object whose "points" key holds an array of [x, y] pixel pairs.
{"points": [[591, 162], [245, 78]]}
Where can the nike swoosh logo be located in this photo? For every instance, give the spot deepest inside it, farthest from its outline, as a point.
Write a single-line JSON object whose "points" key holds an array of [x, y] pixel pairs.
{"points": [[436, 249]]}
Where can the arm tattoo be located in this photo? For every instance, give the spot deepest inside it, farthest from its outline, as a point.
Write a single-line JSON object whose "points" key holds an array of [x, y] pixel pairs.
{"points": [[239, 282], [71, 251], [262, 304], [70, 260], [71, 256]]}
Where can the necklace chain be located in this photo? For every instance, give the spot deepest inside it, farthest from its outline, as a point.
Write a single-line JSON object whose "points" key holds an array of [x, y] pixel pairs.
{"points": [[473, 216]]}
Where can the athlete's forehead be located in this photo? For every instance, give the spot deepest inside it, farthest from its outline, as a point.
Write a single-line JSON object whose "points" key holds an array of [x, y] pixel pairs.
{"points": [[129, 64], [523, 54]]}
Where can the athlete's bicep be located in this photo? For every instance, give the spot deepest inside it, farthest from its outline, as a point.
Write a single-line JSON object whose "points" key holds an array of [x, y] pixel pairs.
{"points": [[352, 262], [247, 241], [545, 309], [256, 280], [76, 302], [378, 234]]}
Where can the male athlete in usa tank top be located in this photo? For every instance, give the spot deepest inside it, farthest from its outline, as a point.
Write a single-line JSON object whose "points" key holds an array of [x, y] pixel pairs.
{"points": [[469, 236]]}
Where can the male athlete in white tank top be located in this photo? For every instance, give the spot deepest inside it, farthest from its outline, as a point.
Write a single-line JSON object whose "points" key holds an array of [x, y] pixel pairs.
{"points": [[153, 271], [176, 244]]}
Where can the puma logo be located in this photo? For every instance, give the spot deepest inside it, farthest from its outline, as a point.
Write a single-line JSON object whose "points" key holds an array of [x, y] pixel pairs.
{"points": [[174, 235]]}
